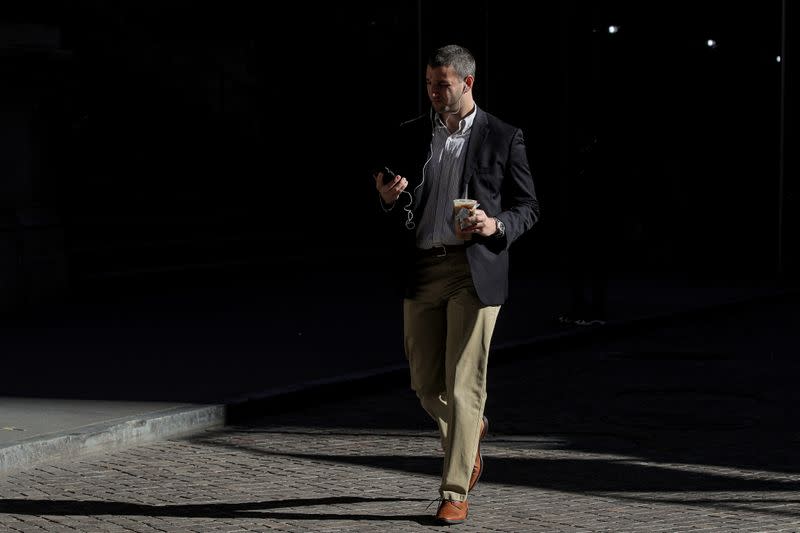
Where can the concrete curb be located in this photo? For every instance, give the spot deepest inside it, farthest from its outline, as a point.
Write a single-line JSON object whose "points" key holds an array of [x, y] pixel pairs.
{"points": [[114, 435]]}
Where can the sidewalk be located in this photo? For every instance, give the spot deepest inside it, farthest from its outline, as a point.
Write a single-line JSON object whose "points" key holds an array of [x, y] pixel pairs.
{"points": [[101, 375]]}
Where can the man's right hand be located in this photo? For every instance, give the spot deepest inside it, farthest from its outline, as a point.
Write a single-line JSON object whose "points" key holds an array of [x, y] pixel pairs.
{"points": [[391, 191]]}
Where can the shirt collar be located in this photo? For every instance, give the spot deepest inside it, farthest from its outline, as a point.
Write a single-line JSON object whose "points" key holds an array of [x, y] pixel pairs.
{"points": [[464, 124]]}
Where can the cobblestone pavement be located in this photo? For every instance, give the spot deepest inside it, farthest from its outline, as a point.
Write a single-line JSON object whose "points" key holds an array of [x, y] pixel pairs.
{"points": [[617, 437]]}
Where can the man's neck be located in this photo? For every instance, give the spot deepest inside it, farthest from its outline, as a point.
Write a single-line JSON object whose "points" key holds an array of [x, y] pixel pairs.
{"points": [[452, 123], [452, 120]]}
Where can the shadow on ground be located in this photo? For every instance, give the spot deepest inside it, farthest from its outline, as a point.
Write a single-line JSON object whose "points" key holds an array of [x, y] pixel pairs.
{"points": [[262, 509]]}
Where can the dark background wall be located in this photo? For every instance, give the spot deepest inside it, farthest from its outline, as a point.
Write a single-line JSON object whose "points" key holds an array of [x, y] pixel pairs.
{"points": [[151, 143]]}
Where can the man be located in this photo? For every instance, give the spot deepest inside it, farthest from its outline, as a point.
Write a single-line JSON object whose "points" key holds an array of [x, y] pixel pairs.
{"points": [[456, 281]]}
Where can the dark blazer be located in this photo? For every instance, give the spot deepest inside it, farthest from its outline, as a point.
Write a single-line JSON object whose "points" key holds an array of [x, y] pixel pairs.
{"points": [[496, 174]]}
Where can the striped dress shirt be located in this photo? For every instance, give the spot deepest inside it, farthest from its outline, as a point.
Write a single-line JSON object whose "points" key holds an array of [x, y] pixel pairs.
{"points": [[440, 185]]}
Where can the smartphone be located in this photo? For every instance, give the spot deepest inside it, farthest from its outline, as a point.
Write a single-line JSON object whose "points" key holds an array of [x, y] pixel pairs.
{"points": [[388, 175]]}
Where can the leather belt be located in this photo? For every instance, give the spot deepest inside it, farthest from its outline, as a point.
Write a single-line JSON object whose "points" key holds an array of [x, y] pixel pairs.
{"points": [[440, 250]]}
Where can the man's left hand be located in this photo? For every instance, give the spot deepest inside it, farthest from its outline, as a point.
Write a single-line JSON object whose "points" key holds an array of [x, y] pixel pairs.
{"points": [[481, 223]]}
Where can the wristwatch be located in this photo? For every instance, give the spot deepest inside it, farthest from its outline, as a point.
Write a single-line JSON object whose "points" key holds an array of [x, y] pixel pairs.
{"points": [[501, 228]]}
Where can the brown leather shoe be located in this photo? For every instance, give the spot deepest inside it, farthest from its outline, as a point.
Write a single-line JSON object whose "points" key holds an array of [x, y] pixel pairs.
{"points": [[452, 512], [477, 468]]}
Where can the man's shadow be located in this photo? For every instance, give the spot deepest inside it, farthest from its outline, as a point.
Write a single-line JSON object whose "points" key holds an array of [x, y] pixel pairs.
{"points": [[261, 509]]}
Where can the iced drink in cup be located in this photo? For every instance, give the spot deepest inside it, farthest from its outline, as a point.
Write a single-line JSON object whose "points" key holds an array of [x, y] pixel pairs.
{"points": [[463, 208]]}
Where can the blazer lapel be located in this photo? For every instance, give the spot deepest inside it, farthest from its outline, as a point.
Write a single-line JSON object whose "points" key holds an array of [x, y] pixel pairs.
{"points": [[480, 128]]}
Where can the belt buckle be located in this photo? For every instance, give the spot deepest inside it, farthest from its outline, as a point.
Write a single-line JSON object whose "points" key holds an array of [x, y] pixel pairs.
{"points": [[444, 250]]}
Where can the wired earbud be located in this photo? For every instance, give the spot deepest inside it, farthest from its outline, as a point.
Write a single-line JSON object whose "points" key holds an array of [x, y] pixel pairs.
{"points": [[409, 213], [410, 224], [410, 221]]}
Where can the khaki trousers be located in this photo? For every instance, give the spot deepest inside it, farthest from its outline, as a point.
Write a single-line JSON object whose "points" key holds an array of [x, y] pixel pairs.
{"points": [[447, 333]]}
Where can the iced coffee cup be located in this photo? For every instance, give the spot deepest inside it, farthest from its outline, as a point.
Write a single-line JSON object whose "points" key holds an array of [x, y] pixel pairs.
{"points": [[463, 208]]}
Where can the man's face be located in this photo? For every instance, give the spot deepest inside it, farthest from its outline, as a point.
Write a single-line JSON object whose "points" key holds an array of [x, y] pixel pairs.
{"points": [[445, 88]]}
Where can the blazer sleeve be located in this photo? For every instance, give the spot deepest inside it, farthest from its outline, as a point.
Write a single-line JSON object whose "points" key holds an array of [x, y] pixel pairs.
{"points": [[520, 206]]}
